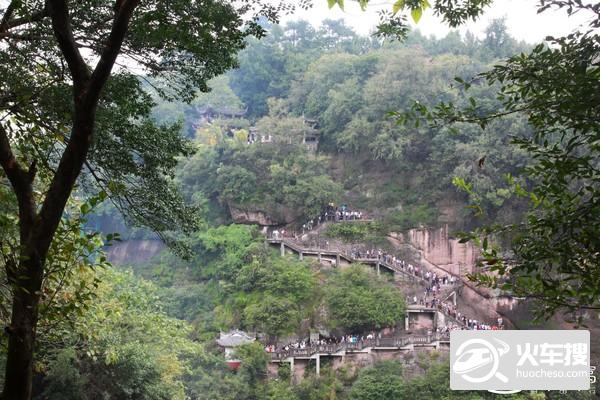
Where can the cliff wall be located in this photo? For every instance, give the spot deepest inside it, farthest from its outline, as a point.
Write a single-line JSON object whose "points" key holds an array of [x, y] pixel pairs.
{"points": [[134, 251], [439, 248]]}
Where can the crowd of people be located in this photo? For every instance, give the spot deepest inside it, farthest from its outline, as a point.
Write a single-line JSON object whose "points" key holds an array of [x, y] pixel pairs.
{"points": [[433, 287], [281, 234], [325, 341], [342, 213], [331, 213], [464, 324], [451, 310], [434, 282]]}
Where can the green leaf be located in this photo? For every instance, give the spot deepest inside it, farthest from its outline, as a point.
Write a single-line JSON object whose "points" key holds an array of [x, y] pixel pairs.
{"points": [[416, 14], [398, 5], [331, 3], [85, 208]]}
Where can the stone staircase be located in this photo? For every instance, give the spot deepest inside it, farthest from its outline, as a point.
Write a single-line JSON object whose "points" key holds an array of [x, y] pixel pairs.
{"points": [[297, 247]]}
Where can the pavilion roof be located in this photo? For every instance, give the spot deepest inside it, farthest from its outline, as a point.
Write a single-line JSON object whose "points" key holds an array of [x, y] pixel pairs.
{"points": [[234, 338]]}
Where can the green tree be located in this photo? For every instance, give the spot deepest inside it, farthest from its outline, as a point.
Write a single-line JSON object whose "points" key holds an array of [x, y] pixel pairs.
{"points": [[552, 255], [123, 347], [497, 39], [285, 181], [63, 379], [384, 380], [72, 111], [274, 295], [253, 370], [358, 300]]}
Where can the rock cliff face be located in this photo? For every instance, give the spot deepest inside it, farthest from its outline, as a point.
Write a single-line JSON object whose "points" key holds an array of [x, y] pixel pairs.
{"points": [[241, 216], [134, 251], [437, 247], [280, 215]]}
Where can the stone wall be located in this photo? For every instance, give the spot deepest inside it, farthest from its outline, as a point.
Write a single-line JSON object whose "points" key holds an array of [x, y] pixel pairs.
{"points": [[274, 216], [436, 249]]}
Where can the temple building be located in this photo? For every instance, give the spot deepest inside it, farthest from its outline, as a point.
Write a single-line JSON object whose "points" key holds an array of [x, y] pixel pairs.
{"points": [[254, 136], [208, 113], [229, 341]]}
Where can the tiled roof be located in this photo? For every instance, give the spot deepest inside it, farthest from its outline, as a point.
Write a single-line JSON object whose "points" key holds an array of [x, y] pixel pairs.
{"points": [[234, 338]]}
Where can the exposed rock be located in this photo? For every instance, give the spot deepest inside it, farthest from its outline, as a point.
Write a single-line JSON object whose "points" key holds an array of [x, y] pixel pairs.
{"points": [[134, 251], [440, 249], [279, 215], [436, 250]]}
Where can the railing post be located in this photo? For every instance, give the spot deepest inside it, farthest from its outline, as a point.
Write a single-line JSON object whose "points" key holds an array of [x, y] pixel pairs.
{"points": [[337, 260], [282, 249], [318, 369], [378, 269], [301, 256]]}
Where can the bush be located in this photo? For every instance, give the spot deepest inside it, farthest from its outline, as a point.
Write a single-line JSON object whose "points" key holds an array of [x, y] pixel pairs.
{"points": [[411, 217], [354, 231]]}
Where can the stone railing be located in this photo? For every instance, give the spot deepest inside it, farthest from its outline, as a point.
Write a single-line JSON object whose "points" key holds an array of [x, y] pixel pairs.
{"points": [[393, 342]]}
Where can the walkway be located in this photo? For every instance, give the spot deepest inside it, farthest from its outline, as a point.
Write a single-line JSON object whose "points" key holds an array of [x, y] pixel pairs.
{"points": [[337, 256], [401, 268], [399, 342]]}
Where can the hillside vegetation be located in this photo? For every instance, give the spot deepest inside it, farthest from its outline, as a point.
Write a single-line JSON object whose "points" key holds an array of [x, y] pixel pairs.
{"points": [[348, 85]]}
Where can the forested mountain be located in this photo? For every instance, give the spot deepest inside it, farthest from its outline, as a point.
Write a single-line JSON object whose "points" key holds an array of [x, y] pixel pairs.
{"points": [[278, 201], [346, 85], [251, 156]]}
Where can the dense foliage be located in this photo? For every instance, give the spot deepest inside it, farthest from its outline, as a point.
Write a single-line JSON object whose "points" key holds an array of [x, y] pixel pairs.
{"points": [[358, 300], [552, 252], [283, 181], [531, 121], [348, 85], [354, 232], [71, 99], [235, 282], [124, 346]]}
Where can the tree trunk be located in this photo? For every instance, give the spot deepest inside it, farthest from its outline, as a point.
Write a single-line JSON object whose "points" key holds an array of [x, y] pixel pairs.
{"points": [[37, 229], [21, 339]]}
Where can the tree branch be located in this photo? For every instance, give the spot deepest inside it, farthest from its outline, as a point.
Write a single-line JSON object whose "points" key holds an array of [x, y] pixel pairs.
{"points": [[86, 93], [16, 174], [21, 181], [111, 50], [35, 16], [7, 15], [64, 35]]}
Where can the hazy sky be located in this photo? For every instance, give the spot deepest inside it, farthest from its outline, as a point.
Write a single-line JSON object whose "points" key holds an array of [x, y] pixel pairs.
{"points": [[522, 20]]}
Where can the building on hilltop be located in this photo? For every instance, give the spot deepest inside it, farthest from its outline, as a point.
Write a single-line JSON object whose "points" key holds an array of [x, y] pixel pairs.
{"points": [[208, 112], [254, 136], [307, 135]]}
